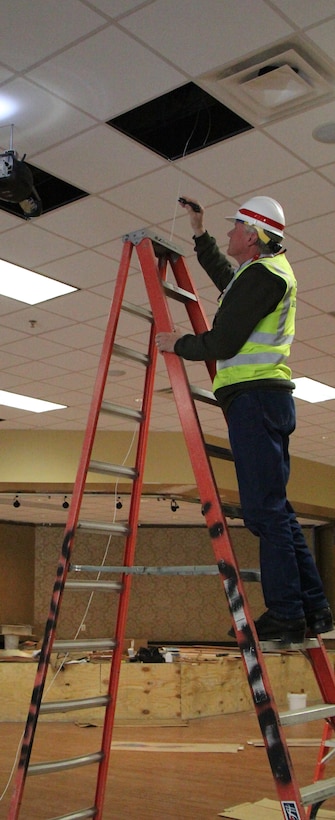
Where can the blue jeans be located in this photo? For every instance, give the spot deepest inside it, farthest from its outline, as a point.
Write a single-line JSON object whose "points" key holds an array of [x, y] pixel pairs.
{"points": [[259, 423]]}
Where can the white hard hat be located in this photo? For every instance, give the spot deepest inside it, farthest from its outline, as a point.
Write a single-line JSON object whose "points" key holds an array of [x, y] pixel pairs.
{"points": [[264, 213]]}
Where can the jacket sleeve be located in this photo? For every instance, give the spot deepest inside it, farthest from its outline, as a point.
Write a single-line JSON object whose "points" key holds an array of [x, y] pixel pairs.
{"points": [[254, 295], [215, 263]]}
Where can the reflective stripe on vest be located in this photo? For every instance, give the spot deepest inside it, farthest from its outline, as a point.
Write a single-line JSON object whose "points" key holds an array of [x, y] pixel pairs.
{"points": [[266, 350]]}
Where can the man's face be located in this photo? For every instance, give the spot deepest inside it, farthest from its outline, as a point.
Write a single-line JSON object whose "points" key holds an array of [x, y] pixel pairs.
{"points": [[241, 242]]}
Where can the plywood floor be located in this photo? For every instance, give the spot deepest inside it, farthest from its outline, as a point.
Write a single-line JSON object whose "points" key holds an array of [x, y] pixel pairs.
{"points": [[150, 785]]}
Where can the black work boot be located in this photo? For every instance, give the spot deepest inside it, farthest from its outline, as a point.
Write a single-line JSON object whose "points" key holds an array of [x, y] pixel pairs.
{"points": [[271, 628], [319, 620]]}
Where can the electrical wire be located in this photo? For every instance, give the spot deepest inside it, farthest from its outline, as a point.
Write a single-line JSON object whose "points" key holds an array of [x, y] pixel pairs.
{"points": [[183, 157]]}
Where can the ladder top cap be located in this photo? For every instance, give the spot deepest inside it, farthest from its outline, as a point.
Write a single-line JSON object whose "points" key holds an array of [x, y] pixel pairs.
{"points": [[160, 244]]}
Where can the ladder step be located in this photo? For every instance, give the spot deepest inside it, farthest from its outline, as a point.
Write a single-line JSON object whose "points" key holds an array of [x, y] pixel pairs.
{"points": [[82, 645], [77, 815], [128, 353], [205, 396], [250, 574], [52, 706], [201, 569], [308, 714], [116, 528], [113, 586], [219, 452], [62, 765], [198, 393], [179, 294], [112, 469], [318, 791], [136, 310], [117, 410]]}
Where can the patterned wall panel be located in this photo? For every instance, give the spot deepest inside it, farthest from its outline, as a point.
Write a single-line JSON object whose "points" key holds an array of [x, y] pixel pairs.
{"points": [[162, 609]]}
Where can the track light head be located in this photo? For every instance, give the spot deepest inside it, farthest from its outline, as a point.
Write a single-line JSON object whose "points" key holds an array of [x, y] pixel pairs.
{"points": [[17, 182], [16, 502], [119, 504], [65, 504], [174, 505]]}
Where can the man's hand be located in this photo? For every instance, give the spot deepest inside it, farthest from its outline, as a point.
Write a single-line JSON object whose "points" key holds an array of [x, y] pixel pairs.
{"points": [[196, 217], [166, 341]]}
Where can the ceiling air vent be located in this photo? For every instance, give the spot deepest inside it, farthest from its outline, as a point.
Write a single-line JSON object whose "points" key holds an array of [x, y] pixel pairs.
{"points": [[271, 85]]}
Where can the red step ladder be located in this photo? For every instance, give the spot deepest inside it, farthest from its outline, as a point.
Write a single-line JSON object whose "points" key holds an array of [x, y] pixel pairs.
{"points": [[156, 256]]}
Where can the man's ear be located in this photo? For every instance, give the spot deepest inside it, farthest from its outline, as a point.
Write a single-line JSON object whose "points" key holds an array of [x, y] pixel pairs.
{"points": [[253, 238]]}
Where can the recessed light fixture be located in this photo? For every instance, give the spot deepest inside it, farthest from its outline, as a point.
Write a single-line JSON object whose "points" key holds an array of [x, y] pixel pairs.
{"points": [[27, 286], [28, 403], [325, 133], [313, 391]]}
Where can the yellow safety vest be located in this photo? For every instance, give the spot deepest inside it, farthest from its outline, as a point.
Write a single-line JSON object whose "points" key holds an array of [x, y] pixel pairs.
{"points": [[264, 354]]}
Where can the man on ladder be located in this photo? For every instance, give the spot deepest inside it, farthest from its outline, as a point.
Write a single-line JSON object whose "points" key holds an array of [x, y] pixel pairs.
{"points": [[250, 340]]}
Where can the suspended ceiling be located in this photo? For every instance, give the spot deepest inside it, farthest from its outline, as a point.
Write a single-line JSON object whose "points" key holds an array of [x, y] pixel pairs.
{"points": [[67, 68]]}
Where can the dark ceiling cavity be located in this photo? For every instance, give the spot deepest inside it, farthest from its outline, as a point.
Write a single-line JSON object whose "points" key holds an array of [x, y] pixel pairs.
{"points": [[53, 192], [180, 122]]}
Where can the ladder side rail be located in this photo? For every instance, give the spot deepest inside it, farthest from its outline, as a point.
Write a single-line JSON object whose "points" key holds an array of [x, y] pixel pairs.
{"points": [[65, 556], [129, 557], [195, 310], [260, 687], [323, 672]]}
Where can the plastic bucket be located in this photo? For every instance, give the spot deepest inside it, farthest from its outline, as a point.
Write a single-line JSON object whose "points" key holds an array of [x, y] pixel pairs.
{"points": [[296, 701]]}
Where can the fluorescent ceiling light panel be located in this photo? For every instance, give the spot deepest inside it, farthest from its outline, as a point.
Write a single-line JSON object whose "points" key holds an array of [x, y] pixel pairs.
{"points": [[312, 391], [28, 403], [29, 287]]}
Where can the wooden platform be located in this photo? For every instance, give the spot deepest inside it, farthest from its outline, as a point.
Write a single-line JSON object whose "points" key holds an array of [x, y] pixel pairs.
{"points": [[177, 691]]}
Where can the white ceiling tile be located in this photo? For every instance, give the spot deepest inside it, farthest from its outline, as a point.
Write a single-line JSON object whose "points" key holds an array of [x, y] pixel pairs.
{"points": [[225, 38], [11, 381], [75, 360], [5, 111], [32, 31], [21, 320], [325, 342], [300, 352], [36, 370], [76, 335], [296, 133], [79, 306], [304, 14], [236, 165], [314, 368], [35, 346], [7, 221], [316, 327], [328, 171], [324, 35], [29, 245], [317, 272], [89, 222], [318, 233], [113, 158], [115, 7], [156, 194], [101, 74], [322, 298], [295, 196], [304, 309], [81, 270], [297, 251], [41, 119]]}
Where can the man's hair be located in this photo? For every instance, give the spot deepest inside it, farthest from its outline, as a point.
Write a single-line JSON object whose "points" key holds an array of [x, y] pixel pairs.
{"points": [[272, 246]]}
